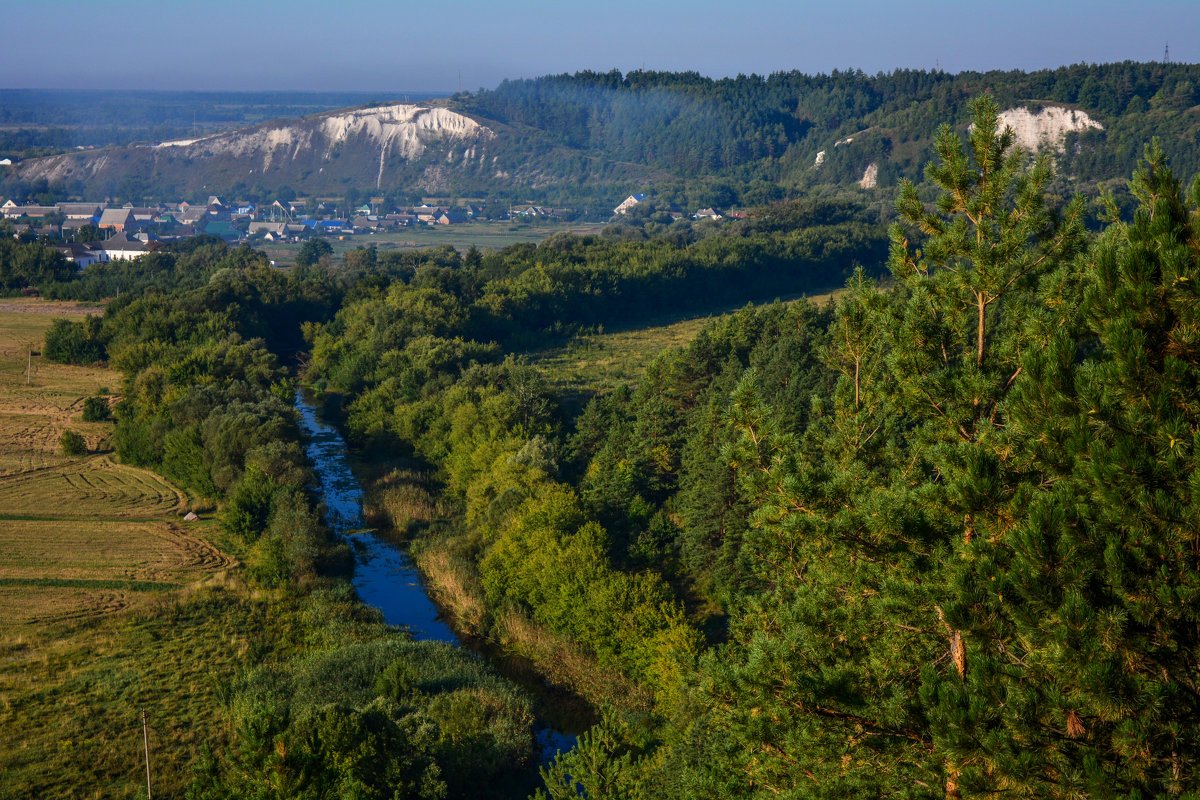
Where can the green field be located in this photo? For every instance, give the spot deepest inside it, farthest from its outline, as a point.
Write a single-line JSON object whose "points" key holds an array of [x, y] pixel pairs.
{"points": [[599, 362], [484, 235]]}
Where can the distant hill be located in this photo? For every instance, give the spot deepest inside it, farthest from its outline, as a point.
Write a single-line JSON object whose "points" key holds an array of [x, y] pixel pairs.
{"points": [[594, 137]]}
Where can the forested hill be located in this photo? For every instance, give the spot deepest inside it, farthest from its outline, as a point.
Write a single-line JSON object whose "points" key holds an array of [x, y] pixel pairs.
{"points": [[589, 139], [773, 127]]}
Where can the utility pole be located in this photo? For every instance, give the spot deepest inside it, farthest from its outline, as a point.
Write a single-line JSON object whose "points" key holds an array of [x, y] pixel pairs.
{"points": [[29, 364], [146, 744]]}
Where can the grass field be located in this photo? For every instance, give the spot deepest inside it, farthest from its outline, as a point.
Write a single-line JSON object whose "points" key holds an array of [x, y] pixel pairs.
{"points": [[599, 362], [484, 235], [111, 602]]}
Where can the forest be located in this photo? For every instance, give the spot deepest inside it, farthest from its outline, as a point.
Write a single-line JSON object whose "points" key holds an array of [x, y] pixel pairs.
{"points": [[769, 128], [934, 539]]}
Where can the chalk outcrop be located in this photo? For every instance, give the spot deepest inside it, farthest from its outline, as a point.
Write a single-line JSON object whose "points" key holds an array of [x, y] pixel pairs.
{"points": [[1047, 128], [870, 176], [367, 143]]}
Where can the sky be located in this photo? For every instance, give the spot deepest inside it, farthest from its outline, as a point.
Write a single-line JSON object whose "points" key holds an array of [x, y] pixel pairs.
{"points": [[426, 45]]}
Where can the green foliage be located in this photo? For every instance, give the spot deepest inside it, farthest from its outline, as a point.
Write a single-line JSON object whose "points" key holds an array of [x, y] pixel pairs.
{"points": [[288, 551], [248, 506], [312, 251], [966, 567], [24, 265], [72, 443], [70, 342], [96, 409], [380, 719]]}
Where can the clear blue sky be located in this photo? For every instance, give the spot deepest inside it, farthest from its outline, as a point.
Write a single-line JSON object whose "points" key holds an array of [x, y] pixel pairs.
{"points": [[425, 45]]}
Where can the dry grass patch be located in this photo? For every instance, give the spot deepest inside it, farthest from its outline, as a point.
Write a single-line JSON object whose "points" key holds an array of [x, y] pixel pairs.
{"points": [[75, 550], [88, 489], [565, 664], [24, 604]]}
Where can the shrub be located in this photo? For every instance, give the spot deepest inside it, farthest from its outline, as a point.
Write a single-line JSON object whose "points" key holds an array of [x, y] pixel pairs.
{"points": [[74, 342], [95, 409], [73, 444]]}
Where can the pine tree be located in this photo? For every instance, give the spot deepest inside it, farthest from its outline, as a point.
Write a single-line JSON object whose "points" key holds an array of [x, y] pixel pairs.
{"points": [[1102, 573], [964, 318]]}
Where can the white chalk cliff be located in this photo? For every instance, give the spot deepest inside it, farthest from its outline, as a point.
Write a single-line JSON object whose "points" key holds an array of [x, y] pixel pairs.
{"points": [[1046, 129]]}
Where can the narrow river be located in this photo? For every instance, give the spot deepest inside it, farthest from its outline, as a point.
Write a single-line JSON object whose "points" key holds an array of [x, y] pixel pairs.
{"points": [[384, 575]]}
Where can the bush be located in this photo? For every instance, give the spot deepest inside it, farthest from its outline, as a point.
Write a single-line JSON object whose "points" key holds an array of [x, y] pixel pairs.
{"points": [[95, 409], [74, 342], [73, 444]]}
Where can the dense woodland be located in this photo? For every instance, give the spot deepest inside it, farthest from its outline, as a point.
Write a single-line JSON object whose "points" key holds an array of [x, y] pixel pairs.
{"points": [[937, 539], [737, 131]]}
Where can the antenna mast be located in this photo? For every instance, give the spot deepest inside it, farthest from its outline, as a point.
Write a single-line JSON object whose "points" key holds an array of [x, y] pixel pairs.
{"points": [[1167, 53]]}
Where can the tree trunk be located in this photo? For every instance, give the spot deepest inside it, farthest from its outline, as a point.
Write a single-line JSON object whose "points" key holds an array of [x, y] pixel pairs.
{"points": [[981, 304]]}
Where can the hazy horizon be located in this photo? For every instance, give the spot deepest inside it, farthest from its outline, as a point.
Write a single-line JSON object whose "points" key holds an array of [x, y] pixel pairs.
{"points": [[371, 46]]}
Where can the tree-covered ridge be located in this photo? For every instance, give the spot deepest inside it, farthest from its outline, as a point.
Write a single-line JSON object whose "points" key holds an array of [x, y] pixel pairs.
{"points": [[773, 126], [587, 140]]}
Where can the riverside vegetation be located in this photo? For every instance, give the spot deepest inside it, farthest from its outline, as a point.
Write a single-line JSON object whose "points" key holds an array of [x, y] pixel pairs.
{"points": [[934, 539]]}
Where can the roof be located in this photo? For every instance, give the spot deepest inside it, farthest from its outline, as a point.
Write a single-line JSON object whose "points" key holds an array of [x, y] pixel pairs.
{"points": [[74, 250], [115, 216], [30, 211], [223, 229], [123, 243], [79, 209]]}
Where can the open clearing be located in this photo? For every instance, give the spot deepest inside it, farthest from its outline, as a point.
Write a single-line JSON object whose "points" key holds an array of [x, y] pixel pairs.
{"points": [[111, 602], [483, 235], [598, 362]]}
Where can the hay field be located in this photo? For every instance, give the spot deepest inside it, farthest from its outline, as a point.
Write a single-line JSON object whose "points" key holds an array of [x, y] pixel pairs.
{"points": [[38, 404], [78, 536], [111, 602]]}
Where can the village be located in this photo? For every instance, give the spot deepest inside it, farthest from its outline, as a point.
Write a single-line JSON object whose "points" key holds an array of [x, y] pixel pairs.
{"points": [[86, 233], [89, 232]]}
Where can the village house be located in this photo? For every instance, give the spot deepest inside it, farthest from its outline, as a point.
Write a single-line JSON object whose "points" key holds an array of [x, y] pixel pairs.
{"points": [[71, 226], [192, 215], [451, 216], [264, 227], [144, 215], [81, 255], [628, 203], [13, 211], [89, 212], [120, 248], [116, 219]]}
